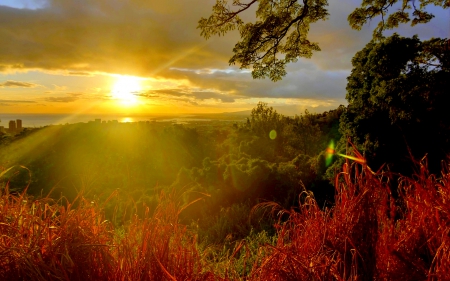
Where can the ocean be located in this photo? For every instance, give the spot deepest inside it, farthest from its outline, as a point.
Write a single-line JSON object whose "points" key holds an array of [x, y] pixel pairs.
{"points": [[40, 120]]}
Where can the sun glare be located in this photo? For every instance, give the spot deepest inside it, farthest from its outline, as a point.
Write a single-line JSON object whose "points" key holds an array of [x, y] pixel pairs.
{"points": [[127, 120], [126, 88]]}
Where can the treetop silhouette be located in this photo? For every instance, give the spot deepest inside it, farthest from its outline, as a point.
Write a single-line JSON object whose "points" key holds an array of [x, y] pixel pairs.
{"points": [[279, 33]]}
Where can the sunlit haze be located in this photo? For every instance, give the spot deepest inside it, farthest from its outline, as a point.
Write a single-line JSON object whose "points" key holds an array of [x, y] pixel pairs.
{"points": [[147, 57]]}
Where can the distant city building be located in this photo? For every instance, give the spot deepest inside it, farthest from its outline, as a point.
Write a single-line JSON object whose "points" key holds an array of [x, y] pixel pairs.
{"points": [[98, 121], [2, 129], [19, 124], [12, 125]]}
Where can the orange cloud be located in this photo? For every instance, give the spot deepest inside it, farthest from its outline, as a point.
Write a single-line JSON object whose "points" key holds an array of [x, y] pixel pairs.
{"points": [[17, 84]]}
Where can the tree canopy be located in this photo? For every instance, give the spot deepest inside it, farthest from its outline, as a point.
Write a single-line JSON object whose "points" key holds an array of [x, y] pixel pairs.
{"points": [[398, 98], [279, 34]]}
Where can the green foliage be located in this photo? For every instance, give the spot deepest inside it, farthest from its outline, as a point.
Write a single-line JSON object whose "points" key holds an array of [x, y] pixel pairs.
{"points": [[371, 9], [15, 176], [231, 224], [281, 27], [236, 260], [263, 119], [398, 93], [102, 158], [246, 175], [230, 166], [303, 135], [279, 33]]}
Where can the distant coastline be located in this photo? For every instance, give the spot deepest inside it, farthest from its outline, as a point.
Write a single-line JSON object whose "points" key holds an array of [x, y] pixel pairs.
{"points": [[41, 120]]}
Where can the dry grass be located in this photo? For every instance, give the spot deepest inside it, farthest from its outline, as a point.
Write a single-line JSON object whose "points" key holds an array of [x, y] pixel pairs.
{"points": [[45, 240], [368, 235]]}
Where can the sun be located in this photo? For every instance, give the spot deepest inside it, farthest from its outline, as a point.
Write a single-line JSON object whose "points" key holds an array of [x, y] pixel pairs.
{"points": [[126, 88]]}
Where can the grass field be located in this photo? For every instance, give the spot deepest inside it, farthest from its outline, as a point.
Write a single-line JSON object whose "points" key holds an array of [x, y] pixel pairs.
{"points": [[373, 232]]}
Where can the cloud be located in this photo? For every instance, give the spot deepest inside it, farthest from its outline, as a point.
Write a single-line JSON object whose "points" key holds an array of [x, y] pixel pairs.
{"points": [[159, 39], [187, 93], [59, 88], [134, 37], [167, 92], [79, 73], [212, 95], [307, 81], [66, 99], [17, 84], [145, 37], [147, 95], [16, 101]]}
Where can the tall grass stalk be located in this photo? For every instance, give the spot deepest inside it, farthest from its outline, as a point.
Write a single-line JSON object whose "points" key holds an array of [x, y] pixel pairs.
{"points": [[368, 234], [45, 240]]}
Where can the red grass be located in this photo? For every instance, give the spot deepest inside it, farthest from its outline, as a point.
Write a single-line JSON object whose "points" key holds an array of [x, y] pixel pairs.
{"points": [[367, 235], [43, 240]]}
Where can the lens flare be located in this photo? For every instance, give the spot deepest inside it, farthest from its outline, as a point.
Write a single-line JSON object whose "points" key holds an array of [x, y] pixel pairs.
{"points": [[356, 159], [330, 151], [273, 134]]}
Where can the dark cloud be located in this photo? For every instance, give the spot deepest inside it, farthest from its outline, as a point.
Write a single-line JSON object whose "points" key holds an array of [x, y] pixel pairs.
{"points": [[17, 84], [185, 101], [133, 37], [160, 39], [185, 94], [140, 37], [308, 81]]}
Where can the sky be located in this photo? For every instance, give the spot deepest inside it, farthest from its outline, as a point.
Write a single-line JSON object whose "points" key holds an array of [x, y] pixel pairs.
{"points": [[147, 57]]}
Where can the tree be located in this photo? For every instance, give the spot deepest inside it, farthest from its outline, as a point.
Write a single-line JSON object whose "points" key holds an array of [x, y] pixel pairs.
{"points": [[279, 34], [398, 101], [303, 135], [373, 8], [264, 119]]}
